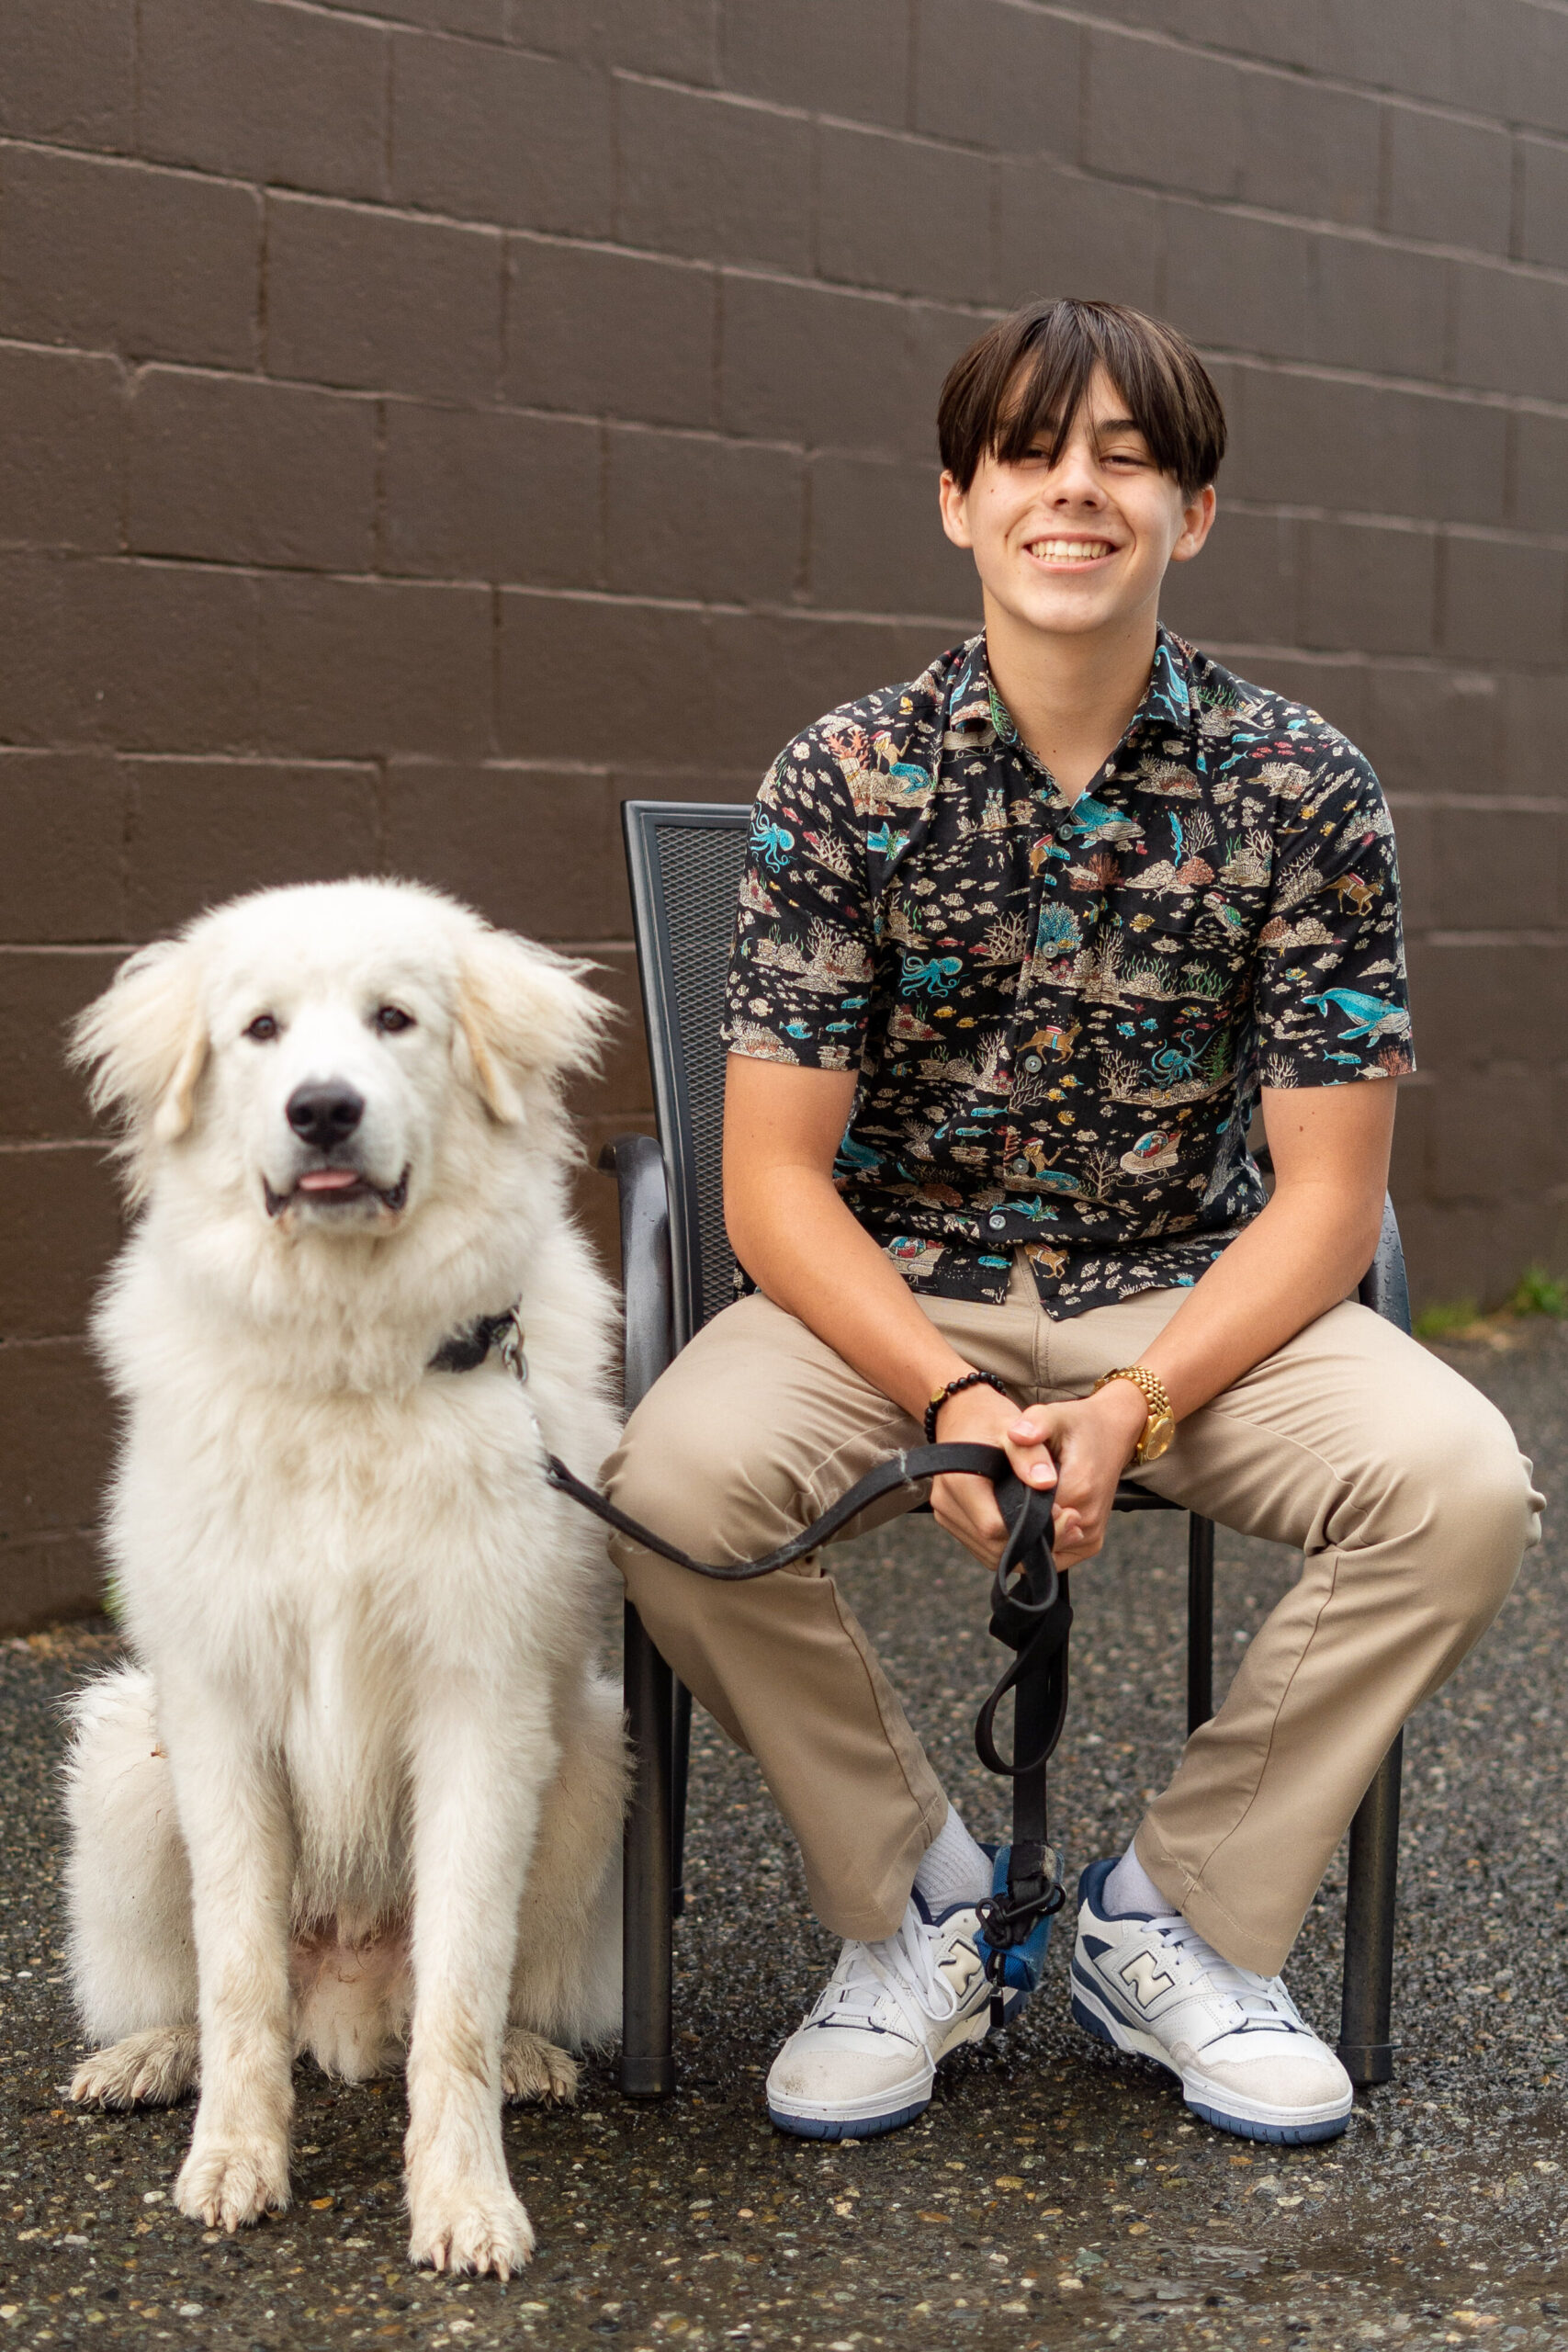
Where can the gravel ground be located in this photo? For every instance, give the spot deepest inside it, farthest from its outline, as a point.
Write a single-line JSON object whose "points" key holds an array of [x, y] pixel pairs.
{"points": [[1053, 2194]]}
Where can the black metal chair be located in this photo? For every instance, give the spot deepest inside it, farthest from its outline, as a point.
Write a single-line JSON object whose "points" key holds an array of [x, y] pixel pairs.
{"points": [[685, 859]]}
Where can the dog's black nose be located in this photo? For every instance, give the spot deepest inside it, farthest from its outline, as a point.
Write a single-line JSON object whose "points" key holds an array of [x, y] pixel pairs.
{"points": [[326, 1114]]}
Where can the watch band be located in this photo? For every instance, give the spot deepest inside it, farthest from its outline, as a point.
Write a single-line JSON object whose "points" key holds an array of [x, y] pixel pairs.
{"points": [[1154, 1395]]}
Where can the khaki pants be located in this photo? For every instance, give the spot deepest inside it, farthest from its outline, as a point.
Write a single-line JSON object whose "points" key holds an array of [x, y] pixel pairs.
{"points": [[1398, 1481]]}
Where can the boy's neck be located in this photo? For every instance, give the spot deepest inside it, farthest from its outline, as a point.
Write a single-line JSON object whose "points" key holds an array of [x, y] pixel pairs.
{"points": [[1071, 699]]}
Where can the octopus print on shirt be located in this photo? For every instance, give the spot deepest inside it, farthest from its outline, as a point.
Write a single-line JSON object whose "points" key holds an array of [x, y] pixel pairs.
{"points": [[1061, 1013]]}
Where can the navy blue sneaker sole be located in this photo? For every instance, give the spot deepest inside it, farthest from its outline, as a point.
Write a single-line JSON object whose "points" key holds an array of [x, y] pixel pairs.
{"points": [[871, 2127], [868, 2126], [1240, 2127]]}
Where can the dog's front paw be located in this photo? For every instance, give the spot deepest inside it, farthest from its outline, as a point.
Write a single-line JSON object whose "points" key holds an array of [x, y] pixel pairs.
{"points": [[151, 2069], [470, 2227], [534, 2068], [226, 2183]]}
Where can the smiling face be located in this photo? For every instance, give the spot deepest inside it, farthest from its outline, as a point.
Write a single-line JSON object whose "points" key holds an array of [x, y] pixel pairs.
{"points": [[328, 1084], [1081, 546], [328, 1059]]}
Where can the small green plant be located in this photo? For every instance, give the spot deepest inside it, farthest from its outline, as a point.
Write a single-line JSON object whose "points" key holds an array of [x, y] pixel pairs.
{"points": [[1446, 1318], [1538, 1293]]}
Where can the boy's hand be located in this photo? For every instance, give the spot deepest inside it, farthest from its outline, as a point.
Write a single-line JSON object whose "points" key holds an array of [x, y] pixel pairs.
{"points": [[1081, 1448]]}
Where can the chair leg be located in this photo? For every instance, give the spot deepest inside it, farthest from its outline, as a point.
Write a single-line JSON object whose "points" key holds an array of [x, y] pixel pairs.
{"points": [[682, 1754], [1199, 1621], [1365, 2049], [648, 2038]]}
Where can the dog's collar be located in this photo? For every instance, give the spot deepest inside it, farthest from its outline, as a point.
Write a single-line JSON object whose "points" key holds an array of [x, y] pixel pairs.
{"points": [[466, 1349]]}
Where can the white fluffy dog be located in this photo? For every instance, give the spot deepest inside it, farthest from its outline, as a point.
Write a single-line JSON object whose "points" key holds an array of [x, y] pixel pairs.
{"points": [[360, 1794]]}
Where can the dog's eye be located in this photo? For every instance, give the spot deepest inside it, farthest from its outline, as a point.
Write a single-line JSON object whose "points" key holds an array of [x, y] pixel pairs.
{"points": [[391, 1018], [264, 1028]]}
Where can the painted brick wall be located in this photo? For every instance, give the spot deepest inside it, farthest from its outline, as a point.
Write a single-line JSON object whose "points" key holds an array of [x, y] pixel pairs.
{"points": [[426, 421]]}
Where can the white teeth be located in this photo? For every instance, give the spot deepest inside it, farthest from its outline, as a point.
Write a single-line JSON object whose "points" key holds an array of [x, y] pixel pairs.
{"points": [[1069, 550]]}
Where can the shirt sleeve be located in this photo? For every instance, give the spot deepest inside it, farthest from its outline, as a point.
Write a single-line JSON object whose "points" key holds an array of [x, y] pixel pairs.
{"points": [[1331, 1001], [800, 969]]}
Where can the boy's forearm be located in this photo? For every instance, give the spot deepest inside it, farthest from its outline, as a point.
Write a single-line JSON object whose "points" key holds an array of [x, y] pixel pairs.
{"points": [[1301, 1255], [806, 1251]]}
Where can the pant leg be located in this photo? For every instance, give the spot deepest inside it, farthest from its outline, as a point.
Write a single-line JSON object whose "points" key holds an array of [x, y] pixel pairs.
{"points": [[754, 1430], [1405, 1491]]}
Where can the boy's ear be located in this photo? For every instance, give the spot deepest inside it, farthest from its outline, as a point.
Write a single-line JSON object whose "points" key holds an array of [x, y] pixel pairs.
{"points": [[1197, 518], [954, 504], [522, 1014], [144, 1041]]}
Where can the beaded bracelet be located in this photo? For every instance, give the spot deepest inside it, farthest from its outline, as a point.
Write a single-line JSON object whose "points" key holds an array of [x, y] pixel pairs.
{"points": [[965, 1380]]}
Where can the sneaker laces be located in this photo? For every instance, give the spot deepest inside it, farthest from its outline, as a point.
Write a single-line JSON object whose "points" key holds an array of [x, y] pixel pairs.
{"points": [[1261, 2000], [900, 1967]]}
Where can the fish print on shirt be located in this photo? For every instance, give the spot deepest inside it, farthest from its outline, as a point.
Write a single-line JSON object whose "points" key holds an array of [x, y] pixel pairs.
{"points": [[1061, 1013]]}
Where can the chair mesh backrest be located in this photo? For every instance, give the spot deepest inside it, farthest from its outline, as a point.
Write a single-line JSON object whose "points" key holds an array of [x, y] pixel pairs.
{"points": [[685, 860]]}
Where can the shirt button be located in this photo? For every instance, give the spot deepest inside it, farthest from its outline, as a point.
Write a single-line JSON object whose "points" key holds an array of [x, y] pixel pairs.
{"points": [[1032, 1062], [997, 1224]]}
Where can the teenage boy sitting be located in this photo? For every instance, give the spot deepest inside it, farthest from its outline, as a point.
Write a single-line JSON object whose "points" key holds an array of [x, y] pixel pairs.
{"points": [[1021, 944]]}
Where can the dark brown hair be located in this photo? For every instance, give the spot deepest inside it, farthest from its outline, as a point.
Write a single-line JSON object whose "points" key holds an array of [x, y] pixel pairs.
{"points": [[1027, 375]]}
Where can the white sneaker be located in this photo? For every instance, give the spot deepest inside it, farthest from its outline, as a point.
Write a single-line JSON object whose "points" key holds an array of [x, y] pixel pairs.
{"points": [[865, 2055], [1247, 2060]]}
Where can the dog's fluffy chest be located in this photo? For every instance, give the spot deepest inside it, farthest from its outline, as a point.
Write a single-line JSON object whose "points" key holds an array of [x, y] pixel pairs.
{"points": [[295, 1540]]}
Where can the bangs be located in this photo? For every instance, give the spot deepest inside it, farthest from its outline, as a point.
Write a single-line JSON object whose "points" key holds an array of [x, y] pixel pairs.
{"points": [[1025, 382]]}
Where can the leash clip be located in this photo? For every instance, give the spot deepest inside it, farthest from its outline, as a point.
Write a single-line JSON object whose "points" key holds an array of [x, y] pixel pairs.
{"points": [[511, 1342]]}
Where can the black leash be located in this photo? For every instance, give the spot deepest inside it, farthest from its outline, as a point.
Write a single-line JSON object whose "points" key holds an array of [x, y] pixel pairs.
{"points": [[1031, 1614]]}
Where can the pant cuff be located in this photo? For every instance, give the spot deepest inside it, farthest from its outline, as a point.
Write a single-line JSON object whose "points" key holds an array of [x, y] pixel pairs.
{"points": [[869, 1911], [1244, 1945]]}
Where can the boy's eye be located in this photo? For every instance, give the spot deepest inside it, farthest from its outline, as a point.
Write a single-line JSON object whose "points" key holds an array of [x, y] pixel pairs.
{"points": [[263, 1029]]}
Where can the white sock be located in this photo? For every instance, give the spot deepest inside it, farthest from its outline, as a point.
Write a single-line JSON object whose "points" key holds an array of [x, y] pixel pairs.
{"points": [[954, 1868], [1131, 1893]]}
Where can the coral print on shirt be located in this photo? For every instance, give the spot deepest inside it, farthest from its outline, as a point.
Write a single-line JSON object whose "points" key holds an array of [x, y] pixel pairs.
{"points": [[1061, 1013]]}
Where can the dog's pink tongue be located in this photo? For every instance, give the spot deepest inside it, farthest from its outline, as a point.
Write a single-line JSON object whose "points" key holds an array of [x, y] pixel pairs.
{"points": [[329, 1180]]}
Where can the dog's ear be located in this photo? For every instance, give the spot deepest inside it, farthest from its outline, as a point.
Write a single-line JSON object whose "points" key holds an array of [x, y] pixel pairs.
{"points": [[145, 1043], [523, 1012]]}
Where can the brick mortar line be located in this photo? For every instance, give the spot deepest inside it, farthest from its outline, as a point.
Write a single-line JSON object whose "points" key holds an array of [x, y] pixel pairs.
{"points": [[1239, 60], [1377, 94], [1510, 804], [1356, 657], [1375, 380], [1417, 526], [384, 208], [18, 1147], [134, 370], [720, 608], [1300, 76], [1470, 940], [1444, 533], [1231, 208], [392, 26]]}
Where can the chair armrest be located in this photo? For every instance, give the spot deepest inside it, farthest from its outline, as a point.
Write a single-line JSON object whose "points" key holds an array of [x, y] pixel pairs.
{"points": [[1384, 1287], [638, 1165]]}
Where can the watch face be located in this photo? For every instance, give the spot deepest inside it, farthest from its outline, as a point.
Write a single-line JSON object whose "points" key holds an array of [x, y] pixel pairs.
{"points": [[1157, 1438]]}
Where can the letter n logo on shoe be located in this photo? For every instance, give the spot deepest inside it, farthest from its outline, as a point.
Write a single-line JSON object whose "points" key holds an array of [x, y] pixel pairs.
{"points": [[1145, 1979]]}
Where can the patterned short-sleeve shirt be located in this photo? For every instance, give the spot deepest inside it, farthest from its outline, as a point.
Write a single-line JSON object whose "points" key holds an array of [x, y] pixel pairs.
{"points": [[1061, 1013]]}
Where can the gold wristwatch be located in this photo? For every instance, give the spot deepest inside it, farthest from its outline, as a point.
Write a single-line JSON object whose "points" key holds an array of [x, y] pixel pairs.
{"points": [[1160, 1427]]}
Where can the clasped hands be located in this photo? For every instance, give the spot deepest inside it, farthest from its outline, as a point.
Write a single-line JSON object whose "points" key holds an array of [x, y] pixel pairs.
{"points": [[1080, 1447]]}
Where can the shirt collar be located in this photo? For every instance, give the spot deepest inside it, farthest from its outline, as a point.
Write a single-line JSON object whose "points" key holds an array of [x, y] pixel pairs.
{"points": [[1167, 699]]}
